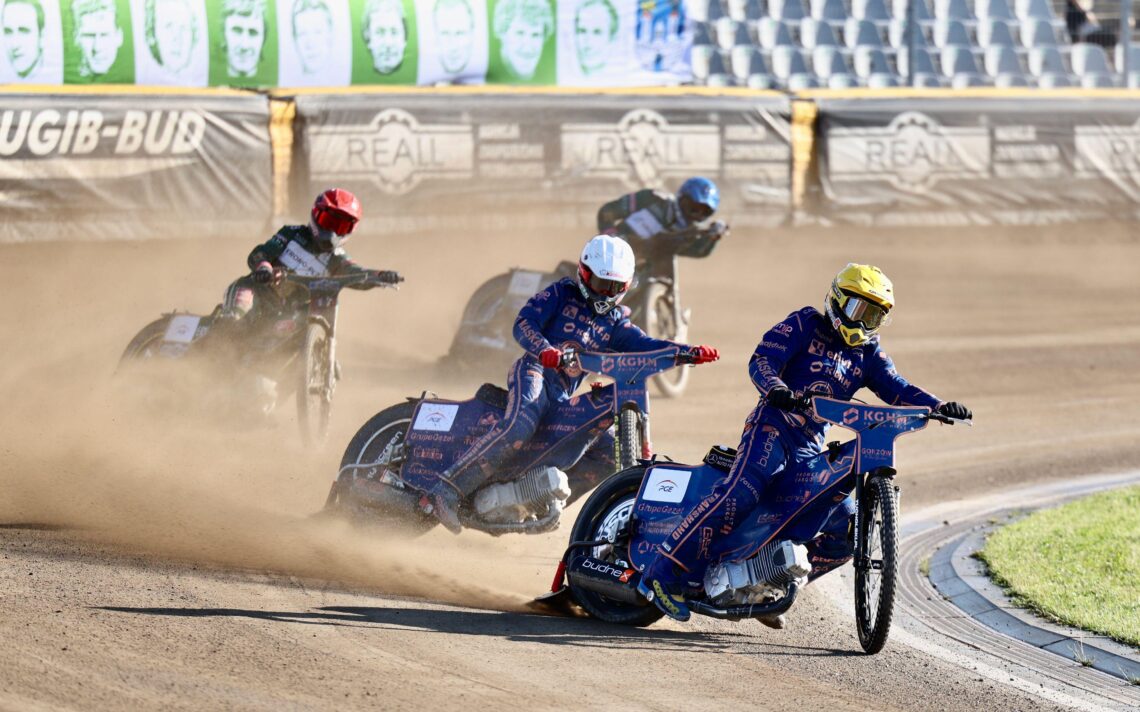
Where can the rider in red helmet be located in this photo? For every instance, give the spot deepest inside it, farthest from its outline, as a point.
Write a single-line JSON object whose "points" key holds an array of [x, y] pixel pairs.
{"points": [[312, 250]]}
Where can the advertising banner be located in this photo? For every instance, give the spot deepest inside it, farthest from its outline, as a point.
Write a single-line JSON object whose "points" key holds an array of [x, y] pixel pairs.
{"points": [[94, 166], [541, 159], [332, 43], [960, 161]]}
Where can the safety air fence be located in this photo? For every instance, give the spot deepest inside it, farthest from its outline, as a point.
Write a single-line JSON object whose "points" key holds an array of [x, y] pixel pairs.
{"points": [[132, 163]]}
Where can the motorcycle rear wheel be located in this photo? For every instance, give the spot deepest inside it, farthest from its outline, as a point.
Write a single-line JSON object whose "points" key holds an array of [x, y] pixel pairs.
{"points": [[314, 401], [144, 344], [607, 513], [875, 584], [629, 438], [663, 322]]}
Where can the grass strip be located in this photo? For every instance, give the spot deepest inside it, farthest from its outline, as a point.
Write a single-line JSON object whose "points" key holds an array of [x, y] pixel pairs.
{"points": [[1078, 564]]}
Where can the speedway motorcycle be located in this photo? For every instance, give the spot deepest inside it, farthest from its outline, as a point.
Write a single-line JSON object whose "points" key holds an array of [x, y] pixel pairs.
{"points": [[618, 529], [300, 353], [398, 454], [485, 339]]}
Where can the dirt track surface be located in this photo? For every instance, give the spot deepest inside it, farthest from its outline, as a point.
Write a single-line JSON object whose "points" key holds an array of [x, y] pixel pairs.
{"points": [[181, 571]]}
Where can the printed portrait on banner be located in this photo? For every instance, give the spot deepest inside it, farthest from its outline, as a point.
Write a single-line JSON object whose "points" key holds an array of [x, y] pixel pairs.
{"points": [[596, 42], [243, 43], [174, 48], [453, 41], [98, 46], [315, 43], [384, 41], [31, 42], [522, 42]]}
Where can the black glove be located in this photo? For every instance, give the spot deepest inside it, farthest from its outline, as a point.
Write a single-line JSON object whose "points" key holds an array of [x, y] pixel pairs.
{"points": [[954, 409], [782, 398], [716, 230], [388, 277], [264, 273]]}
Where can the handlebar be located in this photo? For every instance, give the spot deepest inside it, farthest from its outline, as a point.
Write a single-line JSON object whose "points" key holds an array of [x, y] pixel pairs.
{"points": [[342, 280], [803, 406]]}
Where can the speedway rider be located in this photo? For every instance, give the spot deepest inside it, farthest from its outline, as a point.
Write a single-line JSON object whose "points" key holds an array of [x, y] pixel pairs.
{"points": [[673, 224], [582, 314], [833, 353], [258, 298]]}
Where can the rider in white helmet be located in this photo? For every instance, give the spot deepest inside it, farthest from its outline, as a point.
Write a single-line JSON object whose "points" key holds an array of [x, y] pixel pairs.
{"points": [[583, 315]]}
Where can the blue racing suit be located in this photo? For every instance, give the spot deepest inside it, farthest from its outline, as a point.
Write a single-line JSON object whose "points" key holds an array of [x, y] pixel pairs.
{"points": [[559, 317], [805, 354]]}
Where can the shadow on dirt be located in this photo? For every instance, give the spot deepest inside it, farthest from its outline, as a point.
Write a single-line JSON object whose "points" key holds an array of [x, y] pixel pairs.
{"points": [[510, 626]]}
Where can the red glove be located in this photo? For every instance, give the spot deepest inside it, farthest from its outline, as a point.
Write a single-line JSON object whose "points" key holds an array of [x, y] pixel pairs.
{"points": [[704, 354], [550, 358]]}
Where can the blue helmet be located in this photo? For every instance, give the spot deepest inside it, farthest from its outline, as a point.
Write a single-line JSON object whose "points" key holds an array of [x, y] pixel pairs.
{"points": [[698, 199]]}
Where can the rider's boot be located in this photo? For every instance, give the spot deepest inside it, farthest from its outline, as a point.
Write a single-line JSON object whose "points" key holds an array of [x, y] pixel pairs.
{"points": [[443, 502], [659, 594], [778, 621]]}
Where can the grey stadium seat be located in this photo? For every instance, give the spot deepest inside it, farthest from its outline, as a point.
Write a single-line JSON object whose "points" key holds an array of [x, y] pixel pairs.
{"points": [[964, 81], [747, 61], [1098, 80], [701, 35], [1038, 33], [921, 11], [896, 34], [718, 80], [923, 63], [799, 82], [950, 33], [1006, 81], [715, 11], [1089, 59], [829, 10], [828, 61], [791, 10], [1133, 58], [958, 60], [773, 33], [698, 10], [762, 81], [1001, 60], [926, 81], [993, 9], [842, 81], [1052, 80], [994, 33], [817, 33], [861, 33], [706, 61], [882, 81], [744, 10], [873, 10], [724, 30], [1133, 80], [1046, 60], [953, 10], [741, 38], [787, 61], [1034, 10], [870, 60]]}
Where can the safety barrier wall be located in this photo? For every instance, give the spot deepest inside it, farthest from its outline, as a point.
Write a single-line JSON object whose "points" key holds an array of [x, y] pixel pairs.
{"points": [[133, 163]]}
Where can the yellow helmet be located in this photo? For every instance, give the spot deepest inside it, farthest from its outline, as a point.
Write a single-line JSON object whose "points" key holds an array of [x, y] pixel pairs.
{"points": [[858, 302]]}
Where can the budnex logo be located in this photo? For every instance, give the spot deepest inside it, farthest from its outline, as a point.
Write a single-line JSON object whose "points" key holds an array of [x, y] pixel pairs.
{"points": [[641, 149], [395, 151], [913, 153]]}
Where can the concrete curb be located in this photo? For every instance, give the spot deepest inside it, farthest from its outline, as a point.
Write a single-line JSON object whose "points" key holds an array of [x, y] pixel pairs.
{"points": [[962, 580]]}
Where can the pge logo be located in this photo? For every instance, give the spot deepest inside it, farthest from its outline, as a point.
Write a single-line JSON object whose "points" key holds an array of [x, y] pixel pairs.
{"points": [[666, 486], [850, 416]]}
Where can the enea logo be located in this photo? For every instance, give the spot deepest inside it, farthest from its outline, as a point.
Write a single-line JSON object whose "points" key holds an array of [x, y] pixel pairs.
{"points": [[850, 416], [394, 151], [436, 416], [913, 153], [641, 149], [666, 485]]}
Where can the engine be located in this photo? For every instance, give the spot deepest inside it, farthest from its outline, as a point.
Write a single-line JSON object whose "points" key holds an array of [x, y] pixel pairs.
{"points": [[536, 493], [762, 578]]}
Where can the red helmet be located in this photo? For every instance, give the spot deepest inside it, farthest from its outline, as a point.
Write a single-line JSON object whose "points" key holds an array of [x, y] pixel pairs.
{"points": [[335, 214]]}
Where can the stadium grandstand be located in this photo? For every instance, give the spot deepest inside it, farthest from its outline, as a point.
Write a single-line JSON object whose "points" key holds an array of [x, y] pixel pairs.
{"points": [[805, 44]]}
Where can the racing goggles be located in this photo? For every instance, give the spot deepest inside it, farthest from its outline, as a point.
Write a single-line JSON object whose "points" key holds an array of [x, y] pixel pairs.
{"points": [[696, 211], [600, 286], [858, 309], [334, 221]]}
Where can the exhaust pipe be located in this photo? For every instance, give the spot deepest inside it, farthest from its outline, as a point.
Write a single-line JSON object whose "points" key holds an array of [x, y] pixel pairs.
{"points": [[590, 574]]}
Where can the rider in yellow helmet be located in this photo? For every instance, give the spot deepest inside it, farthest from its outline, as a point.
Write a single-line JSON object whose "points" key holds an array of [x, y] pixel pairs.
{"points": [[834, 353]]}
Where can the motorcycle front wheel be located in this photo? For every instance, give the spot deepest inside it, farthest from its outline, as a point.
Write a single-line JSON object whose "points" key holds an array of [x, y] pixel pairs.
{"points": [[876, 576], [663, 321], [606, 515], [314, 398]]}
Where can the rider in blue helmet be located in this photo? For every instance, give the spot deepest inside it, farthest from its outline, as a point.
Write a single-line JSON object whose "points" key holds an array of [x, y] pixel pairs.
{"points": [[679, 223]]}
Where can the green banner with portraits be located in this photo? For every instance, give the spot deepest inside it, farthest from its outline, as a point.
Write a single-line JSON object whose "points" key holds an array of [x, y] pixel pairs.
{"points": [[263, 44]]}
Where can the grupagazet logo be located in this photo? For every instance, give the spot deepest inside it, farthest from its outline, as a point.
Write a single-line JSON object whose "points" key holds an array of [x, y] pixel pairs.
{"points": [[641, 150], [395, 151], [913, 153]]}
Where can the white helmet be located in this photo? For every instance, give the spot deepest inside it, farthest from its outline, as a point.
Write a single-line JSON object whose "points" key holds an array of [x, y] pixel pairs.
{"points": [[605, 271]]}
